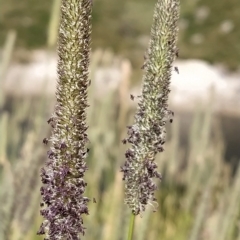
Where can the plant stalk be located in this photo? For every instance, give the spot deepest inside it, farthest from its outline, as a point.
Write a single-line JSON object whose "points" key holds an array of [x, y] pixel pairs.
{"points": [[131, 227]]}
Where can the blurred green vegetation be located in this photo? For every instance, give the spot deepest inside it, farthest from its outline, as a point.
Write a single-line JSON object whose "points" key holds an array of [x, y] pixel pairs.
{"points": [[197, 199], [209, 29], [199, 195]]}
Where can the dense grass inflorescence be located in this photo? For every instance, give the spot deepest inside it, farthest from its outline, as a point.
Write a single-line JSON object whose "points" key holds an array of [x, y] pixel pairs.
{"points": [[63, 187], [147, 134]]}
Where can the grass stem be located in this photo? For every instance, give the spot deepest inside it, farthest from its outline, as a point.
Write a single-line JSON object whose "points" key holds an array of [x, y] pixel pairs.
{"points": [[131, 227]]}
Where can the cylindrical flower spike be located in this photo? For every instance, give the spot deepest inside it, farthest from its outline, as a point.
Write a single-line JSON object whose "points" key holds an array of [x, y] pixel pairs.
{"points": [[147, 134], [62, 177]]}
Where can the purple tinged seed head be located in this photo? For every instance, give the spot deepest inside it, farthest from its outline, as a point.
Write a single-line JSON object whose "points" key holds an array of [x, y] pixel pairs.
{"points": [[63, 201], [147, 135]]}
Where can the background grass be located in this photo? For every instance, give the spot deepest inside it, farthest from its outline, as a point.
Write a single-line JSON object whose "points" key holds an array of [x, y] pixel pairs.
{"points": [[197, 199], [199, 195], [124, 26]]}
